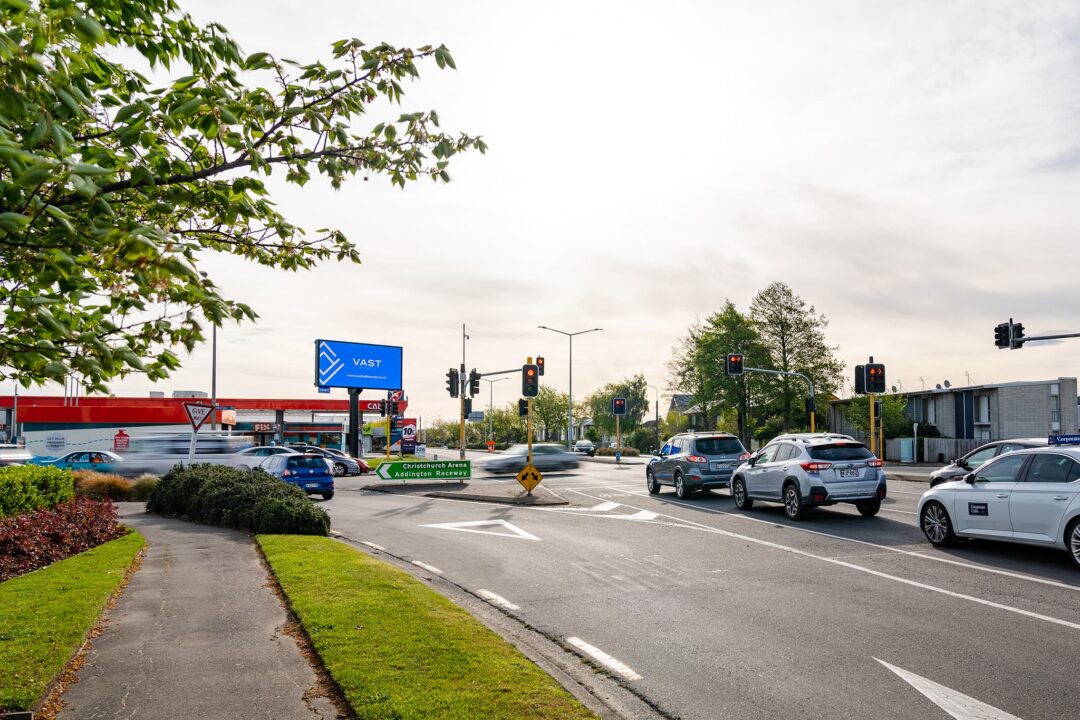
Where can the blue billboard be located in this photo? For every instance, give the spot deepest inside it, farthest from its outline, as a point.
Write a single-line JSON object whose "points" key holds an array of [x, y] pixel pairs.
{"points": [[357, 365]]}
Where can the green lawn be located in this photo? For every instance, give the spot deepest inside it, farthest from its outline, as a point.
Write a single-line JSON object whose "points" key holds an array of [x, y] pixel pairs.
{"points": [[399, 649], [45, 616]]}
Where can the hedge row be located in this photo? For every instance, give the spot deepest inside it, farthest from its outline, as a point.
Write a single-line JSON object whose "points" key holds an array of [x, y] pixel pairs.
{"points": [[610, 452], [246, 499], [26, 488], [106, 486], [34, 540]]}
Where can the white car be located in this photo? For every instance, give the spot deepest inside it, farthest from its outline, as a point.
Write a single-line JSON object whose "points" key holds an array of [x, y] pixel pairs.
{"points": [[1029, 496], [249, 458]]}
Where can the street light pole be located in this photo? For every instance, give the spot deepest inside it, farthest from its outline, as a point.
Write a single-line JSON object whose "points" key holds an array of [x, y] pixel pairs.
{"points": [[213, 380], [570, 395], [491, 405], [656, 442]]}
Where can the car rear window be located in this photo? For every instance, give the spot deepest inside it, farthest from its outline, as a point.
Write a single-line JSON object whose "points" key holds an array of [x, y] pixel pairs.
{"points": [[840, 451], [305, 461], [719, 446]]}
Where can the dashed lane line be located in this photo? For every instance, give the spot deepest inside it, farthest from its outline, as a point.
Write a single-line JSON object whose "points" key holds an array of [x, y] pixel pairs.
{"points": [[603, 658], [910, 553]]}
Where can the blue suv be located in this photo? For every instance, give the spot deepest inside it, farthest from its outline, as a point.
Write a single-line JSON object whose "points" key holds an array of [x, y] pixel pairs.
{"points": [[310, 473], [695, 461]]}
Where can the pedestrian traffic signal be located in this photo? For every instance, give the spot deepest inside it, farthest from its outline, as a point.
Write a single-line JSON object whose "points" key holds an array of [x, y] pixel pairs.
{"points": [[734, 364], [523, 408], [875, 378], [395, 424], [1016, 337], [474, 383], [618, 406], [860, 379], [540, 365], [1002, 335], [453, 382], [467, 409], [530, 381]]}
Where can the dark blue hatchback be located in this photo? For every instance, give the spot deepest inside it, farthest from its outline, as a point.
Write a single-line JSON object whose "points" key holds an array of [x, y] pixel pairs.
{"points": [[310, 473]]}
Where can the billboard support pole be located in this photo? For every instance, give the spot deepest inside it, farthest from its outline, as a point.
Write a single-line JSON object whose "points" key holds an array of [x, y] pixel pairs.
{"points": [[354, 421]]}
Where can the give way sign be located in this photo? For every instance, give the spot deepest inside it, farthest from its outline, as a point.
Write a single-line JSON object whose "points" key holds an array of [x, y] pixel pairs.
{"points": [[197, 414]]}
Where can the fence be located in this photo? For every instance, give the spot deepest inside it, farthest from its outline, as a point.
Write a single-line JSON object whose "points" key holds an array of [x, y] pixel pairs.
{"points": [[933, 450]]}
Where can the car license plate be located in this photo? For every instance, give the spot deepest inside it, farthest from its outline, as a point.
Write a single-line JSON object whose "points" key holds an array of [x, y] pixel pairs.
{"points": [[720, 465], [311, 485], [850, 473]]}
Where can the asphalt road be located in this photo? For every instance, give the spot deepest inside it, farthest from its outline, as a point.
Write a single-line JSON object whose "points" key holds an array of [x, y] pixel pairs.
{"points": [[713, 613]]}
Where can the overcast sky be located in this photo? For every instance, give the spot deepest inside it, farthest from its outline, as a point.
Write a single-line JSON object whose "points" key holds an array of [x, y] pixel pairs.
{"points": [[911, 169]]}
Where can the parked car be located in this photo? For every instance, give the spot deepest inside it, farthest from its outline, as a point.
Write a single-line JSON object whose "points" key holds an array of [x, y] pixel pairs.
{"points": [[14, 455], [695, 461], [251, 457], [585, 446], [1029, 496], [546, 458], [975, 459], [340, 463], [309, 472], [807, 469], [99, 460]]}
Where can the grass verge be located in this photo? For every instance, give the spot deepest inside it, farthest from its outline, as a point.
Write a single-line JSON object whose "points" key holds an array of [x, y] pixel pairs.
{"points": [[46, 615], [397, 649]]}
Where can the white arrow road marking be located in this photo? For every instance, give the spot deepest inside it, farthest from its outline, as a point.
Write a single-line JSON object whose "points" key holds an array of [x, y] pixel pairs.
{"points": [[957, 704], [603, 658], [425, 566], [497, 600], [509, 530]]}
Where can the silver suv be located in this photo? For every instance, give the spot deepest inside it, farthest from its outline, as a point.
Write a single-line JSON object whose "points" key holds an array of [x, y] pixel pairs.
{"points": [[695, 461], [806, 469]]}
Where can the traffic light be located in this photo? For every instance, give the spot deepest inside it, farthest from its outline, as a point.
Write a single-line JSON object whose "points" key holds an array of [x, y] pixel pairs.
{"points": [[382, 408], [395, 424], [453, 382], [1016, 337], [474, 383], [860, 379], [540, 365], [468, 407], [875, 378], [1002, 335], [530, 380], [618, 406], [523, 408], [734, 364], [810, 407], [877, 410]]}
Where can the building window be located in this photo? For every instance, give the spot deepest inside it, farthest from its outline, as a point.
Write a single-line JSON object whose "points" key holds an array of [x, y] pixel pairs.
{"points": [[930, 410], [982, 409], [1055, 408]]}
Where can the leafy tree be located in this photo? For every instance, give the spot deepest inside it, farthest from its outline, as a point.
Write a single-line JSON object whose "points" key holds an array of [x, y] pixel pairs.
{"points": [[549, 411], [793, 334], [894, 422], [507, 425], [113, 188], [634, 389]]}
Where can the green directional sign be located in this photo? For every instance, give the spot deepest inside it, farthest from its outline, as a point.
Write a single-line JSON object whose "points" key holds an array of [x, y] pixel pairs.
{"points": [[425, 470]]}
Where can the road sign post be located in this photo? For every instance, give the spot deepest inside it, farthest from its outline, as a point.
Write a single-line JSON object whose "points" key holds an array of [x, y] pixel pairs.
{"points": [[197, 414]]}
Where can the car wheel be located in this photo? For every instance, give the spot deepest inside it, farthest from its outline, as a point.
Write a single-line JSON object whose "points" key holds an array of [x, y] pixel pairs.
{"points": [[936, 525], [868, 508], [650, 482], [793, 501], [742, 500], [339, 469], [1072, 541], [327, 495], [242, 467], [681, 490]]}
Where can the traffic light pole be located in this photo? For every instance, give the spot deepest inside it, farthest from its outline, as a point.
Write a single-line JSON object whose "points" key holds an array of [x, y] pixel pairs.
{"points": [[873, 425], [528, 429], [789, 374], [461, 396]]}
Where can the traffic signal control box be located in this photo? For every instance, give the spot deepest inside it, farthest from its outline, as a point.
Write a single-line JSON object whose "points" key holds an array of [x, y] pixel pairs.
{"points": [[618, 406], [530, 381]]}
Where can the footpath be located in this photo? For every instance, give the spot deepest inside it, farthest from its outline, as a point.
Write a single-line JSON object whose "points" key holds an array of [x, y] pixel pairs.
{"points": [[197, 634]]}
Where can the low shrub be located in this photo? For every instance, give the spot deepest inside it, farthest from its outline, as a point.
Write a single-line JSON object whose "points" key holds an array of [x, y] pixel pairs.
{"points": [[26, 488], [34, 540], [142, 487], [101, 486], [610, 452], [246, 499]]}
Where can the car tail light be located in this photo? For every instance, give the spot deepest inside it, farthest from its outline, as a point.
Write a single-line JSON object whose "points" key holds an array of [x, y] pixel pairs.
{"points": [[873, 463], [744, 457], [881, 492], [814, 467], [819, 497], [696, 459]]}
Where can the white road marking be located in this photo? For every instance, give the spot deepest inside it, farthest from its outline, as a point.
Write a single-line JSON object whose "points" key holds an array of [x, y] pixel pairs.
{"points": [[425, 566], [603, 658], [604, 507], [373, 545], [957, 704], [905, 512], [924, 556], [642, 515], [509, 530], [497, 599], [905, 492]]}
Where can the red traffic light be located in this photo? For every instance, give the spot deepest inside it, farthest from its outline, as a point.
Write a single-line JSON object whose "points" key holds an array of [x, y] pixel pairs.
{"points": [[618, 406]]}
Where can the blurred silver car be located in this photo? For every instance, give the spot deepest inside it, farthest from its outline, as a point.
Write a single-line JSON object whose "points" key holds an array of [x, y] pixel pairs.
{"points": [[546, 458]]}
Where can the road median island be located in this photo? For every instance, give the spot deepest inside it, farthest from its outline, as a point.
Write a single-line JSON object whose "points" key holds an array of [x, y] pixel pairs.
{"points": [[46, 616], [396, 648]]}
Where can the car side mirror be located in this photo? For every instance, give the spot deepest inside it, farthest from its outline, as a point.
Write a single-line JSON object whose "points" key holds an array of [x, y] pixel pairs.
{"points": [[970, 478], [752, 461]]}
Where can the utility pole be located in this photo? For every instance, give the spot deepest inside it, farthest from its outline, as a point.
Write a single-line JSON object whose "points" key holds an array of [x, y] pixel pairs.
{"points": [[461, 395]]}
